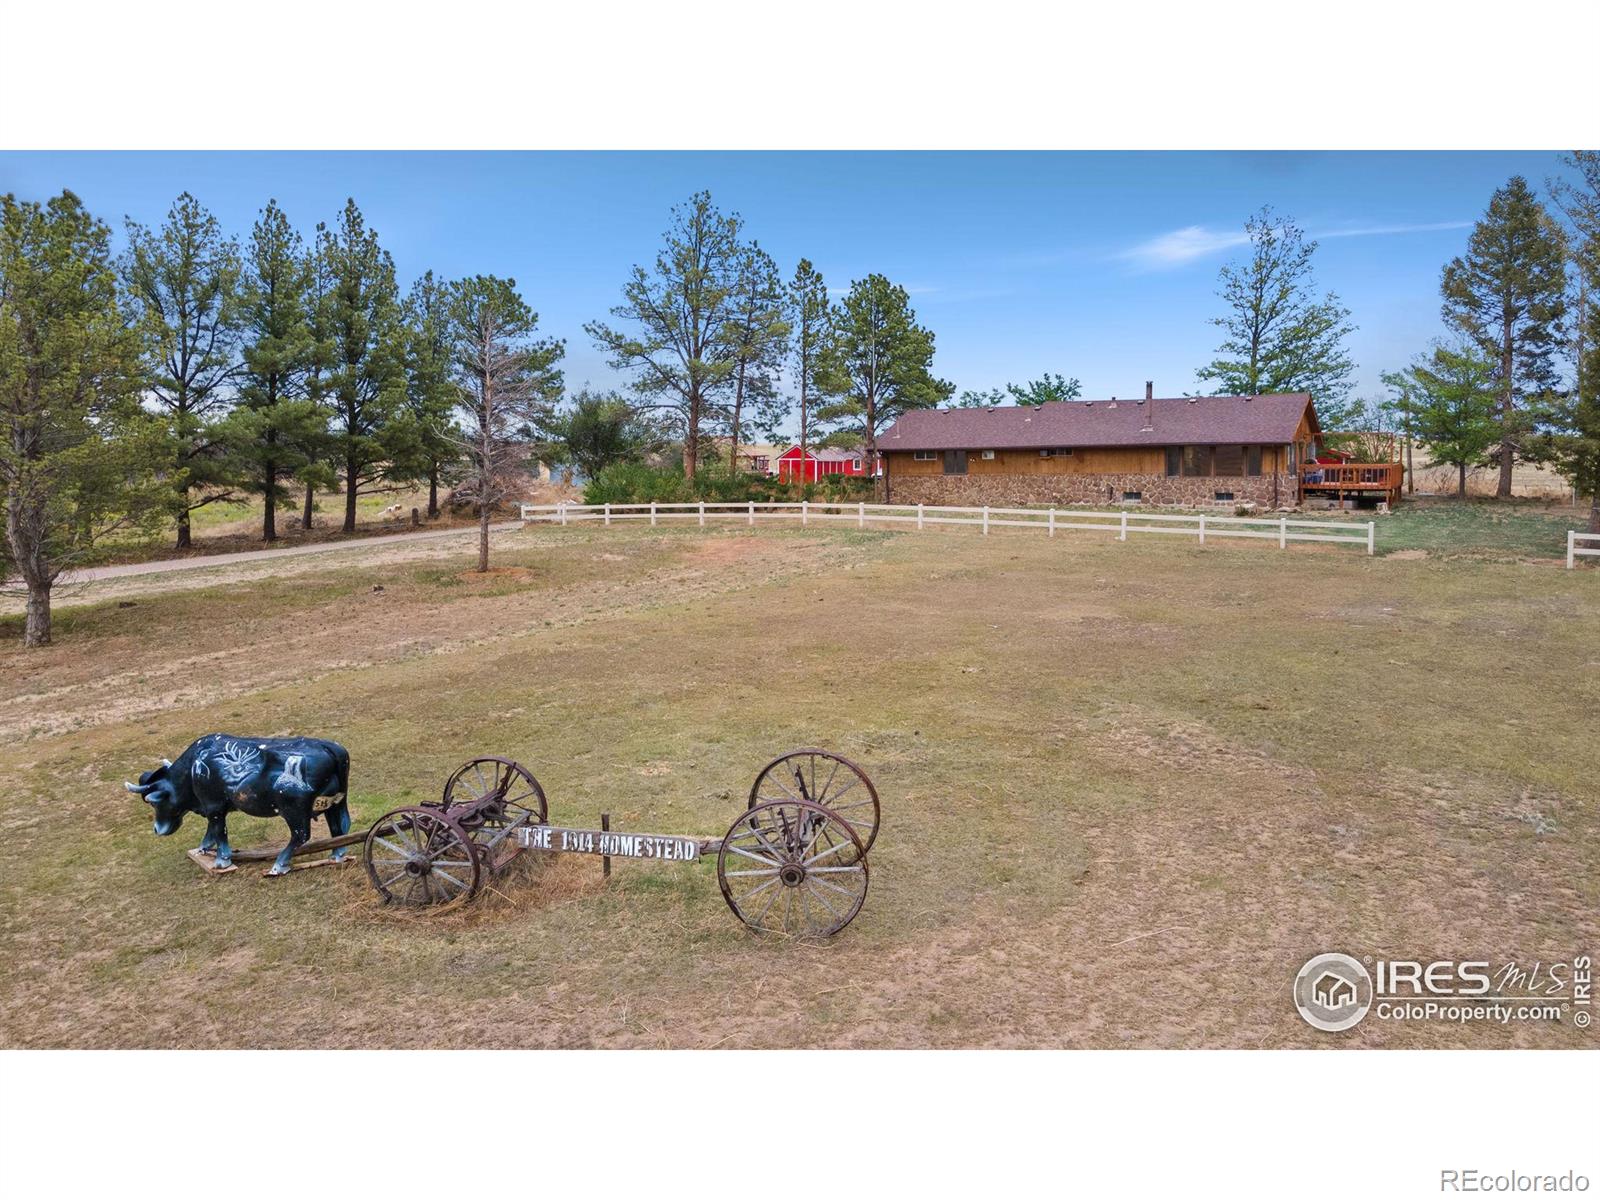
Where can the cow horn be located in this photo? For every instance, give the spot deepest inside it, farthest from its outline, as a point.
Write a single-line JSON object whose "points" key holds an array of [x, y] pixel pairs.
{"points": [[136, 788], [166, 762]]}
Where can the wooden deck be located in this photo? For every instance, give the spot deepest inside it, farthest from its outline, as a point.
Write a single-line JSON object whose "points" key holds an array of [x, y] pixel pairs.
{"points": [[1355, 479]]}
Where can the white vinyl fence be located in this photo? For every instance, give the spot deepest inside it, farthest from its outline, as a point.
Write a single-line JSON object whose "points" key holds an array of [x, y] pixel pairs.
{"points": [[1574, 553], [1282, 530]]}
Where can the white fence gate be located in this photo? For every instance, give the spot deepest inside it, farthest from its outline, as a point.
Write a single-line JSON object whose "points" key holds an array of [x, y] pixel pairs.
{"points": [[1282, 530]]}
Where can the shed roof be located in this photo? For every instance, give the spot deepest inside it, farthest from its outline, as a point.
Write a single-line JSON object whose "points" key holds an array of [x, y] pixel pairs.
{"points": [[1182, 420], [823, 453]]}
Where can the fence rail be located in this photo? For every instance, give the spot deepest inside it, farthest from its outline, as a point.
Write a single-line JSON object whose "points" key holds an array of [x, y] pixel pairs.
{"points": [[1122, 522], [1573, 553]]}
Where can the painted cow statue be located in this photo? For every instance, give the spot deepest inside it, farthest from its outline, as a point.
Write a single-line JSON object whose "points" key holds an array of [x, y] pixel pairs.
{"points": [[296, 778]]}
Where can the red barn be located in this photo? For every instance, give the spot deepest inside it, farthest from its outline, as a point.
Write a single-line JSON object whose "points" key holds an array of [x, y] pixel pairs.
{"points": [[808, 466]]}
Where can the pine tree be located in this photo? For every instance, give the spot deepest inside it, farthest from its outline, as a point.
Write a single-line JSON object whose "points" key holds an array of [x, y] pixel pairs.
{"points": [[811, 318], [878, 364], [79, 457], [506, 385], [1447, 401], [1569, 438], [182, 281], [365, 381], [680, 356], [1280, 336], [1507, 294], [277, 429], [758, 339], [429, 393]]}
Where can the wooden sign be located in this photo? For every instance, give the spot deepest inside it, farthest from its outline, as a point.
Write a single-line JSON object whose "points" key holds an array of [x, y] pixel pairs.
{"points": [[613, 845]]}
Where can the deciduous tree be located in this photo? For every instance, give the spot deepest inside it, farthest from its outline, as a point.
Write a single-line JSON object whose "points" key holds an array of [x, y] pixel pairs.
{"points": [[598, 429], [1507, 294], [878, 364], [79, 457], [182, 281], [1447, 401], [1281, 336], [679, 355], [506, 383]]}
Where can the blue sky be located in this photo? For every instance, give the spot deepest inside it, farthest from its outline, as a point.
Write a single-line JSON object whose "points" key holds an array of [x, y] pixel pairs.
{"points": [[1098, 265]]}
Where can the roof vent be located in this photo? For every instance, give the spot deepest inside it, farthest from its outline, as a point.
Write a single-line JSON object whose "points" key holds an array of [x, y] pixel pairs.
{"points": [[1192, 399]]}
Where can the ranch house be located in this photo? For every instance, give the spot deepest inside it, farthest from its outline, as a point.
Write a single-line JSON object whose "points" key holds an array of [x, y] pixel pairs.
{"points": [[1199, 450]]}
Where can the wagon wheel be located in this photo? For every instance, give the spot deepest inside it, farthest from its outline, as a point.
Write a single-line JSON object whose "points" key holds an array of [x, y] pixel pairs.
{"points": [[825, 779], [509, 784], [795, 868], [419, 856]]}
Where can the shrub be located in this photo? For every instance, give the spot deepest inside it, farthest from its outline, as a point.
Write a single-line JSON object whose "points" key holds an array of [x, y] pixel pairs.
{"points": [[636, 483]]}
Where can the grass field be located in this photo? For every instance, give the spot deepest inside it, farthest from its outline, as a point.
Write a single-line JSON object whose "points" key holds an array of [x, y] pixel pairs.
{"points": [[1127, 789]]}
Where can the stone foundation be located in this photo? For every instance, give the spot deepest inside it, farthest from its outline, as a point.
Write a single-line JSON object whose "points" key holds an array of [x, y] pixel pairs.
{"points": [[1012, 491]]}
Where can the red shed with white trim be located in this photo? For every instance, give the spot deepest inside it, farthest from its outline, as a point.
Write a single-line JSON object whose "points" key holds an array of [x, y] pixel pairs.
{"points": [[808, 466]]}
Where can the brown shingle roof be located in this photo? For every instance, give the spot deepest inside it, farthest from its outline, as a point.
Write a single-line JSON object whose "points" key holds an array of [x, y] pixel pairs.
{"points": [[1202, 420]]}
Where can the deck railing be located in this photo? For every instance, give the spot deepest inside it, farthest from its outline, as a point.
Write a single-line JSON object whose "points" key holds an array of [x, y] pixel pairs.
{"points": [[1282, 530], [1354, 477]]}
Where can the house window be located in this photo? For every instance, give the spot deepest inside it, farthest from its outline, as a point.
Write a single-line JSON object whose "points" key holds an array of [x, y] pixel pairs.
{"points": [[1132, 497], [988, 455], [1252, 460], [1222, 495], [1174, 460], [1229, 460], [1056, 452], [925, 455], [1197, 460], [955, 462]]}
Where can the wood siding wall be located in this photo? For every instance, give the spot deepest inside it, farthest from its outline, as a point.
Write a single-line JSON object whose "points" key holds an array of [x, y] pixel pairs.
{"points": [[1119, 460]]}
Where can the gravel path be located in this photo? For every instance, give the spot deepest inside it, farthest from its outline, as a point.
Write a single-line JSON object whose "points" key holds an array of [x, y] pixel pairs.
{"points": [[200, 561]]}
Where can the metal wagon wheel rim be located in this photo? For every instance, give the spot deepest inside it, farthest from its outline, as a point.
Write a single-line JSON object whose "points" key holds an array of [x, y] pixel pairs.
{"points": [[483, 777], [793, 868], [825, 779], [420, 857]]}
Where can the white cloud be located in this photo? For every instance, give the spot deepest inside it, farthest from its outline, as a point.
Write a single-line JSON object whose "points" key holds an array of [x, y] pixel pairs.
{"points": [[1183, 246]]}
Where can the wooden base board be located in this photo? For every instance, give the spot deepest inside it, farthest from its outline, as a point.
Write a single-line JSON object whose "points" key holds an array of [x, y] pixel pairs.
{"points": [[297, 865], [208, 864]]}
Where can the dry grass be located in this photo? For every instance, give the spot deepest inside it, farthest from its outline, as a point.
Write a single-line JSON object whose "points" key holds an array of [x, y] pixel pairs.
{"points": [[1128, 790]]}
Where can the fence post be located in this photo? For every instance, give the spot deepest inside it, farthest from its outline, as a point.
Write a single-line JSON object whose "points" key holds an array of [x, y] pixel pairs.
{"points": [[652, 512], [605, 859], [919, 514], [608, 514], [1122, 536], [1052, 522], [1202, 529], [1283, 533], [985, 520], [1372, 536], [861, 515], [1572, 547], [805, 512], [702, 512], [563, 512], [752, 520]]}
